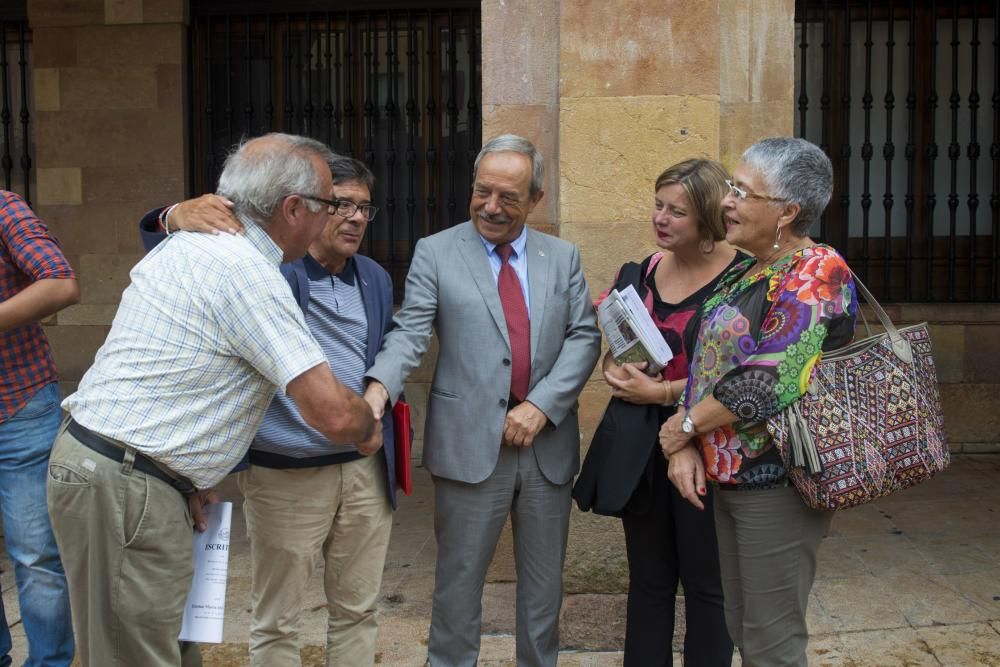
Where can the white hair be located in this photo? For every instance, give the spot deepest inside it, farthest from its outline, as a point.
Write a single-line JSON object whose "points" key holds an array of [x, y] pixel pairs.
{"points": [[511, 143], [257, 180], [797, 172]]}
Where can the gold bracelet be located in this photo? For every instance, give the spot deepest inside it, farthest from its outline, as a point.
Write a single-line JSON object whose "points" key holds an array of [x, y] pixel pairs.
{"points": [[668, 392]]}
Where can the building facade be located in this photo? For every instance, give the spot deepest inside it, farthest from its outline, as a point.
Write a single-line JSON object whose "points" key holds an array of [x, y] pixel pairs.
{"points": [[611, 92]]}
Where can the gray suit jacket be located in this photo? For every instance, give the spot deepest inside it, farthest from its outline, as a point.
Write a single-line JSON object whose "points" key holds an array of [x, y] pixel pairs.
{"points": [[451, 289]]}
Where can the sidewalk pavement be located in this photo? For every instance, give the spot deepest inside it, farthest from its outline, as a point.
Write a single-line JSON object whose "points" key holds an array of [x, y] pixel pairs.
{"points": [[913, 580]]}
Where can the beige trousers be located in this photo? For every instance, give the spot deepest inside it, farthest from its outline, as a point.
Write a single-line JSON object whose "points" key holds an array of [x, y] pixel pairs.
{"points": [[340, 511], [125, 540]]}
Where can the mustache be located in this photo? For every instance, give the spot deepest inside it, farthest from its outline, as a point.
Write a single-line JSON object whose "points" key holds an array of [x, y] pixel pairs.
{"points": [[497, 219]]}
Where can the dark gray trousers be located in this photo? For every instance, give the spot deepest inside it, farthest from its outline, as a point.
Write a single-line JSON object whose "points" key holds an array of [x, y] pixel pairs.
{"points": [[768, 540], [468, 519]]}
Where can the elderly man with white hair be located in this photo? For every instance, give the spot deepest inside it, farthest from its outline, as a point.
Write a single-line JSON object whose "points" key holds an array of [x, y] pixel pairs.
{"points": [[205, 334]]}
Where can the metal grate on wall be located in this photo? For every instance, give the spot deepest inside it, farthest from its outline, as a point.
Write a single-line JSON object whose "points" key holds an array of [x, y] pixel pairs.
{"points": [[397, 88], [903, 96], [16, 146]]}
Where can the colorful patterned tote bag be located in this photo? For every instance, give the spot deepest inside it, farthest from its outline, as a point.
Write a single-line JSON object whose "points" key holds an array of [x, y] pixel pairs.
{"points": [[871, 421]]}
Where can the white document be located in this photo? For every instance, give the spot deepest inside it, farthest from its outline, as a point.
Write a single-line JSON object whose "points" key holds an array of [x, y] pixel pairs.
{"points": [[614, 320], [205, 609], [631, 333], [648, 332]]}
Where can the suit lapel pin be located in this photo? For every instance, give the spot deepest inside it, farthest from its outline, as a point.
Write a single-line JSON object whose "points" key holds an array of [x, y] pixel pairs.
{"points": [[541, 253]]}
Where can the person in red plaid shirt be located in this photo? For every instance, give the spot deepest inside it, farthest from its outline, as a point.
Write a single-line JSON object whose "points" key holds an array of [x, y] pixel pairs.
{"points": [[35, 282]]}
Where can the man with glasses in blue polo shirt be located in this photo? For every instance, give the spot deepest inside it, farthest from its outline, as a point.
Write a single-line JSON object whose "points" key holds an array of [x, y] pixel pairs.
{"points": [[305, 494]]}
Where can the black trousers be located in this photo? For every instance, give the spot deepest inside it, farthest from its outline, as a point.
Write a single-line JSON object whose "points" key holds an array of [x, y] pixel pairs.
{"points": [[672, 541]]}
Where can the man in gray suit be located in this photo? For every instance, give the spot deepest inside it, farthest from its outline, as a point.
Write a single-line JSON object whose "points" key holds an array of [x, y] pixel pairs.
{"points": [[518, 340]]}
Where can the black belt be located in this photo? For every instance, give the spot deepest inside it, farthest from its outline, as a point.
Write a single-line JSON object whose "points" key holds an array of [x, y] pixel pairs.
{"points": [[116, 452]]}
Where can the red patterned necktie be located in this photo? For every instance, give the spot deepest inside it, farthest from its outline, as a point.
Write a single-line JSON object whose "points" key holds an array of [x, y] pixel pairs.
{"points": [[518, 325]]}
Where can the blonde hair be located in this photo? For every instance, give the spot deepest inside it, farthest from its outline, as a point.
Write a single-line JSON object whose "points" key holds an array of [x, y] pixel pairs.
{"points": [[704, 181]]}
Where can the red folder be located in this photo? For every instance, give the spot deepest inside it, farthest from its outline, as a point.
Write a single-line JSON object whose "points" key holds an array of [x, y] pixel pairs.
{"points": [[404, 444]]}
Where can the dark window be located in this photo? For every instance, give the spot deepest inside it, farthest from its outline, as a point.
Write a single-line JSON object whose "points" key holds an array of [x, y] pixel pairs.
{"points": [[397, 88], [903, 97], [16, 145]]}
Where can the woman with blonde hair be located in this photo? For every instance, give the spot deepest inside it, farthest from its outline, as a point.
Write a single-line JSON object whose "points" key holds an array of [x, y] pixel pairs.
{"points": [[667, 540]]}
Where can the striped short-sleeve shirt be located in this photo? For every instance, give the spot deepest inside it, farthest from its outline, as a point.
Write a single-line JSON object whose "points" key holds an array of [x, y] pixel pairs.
{"points": [[336, 317], [204, 335], [28, 253]]}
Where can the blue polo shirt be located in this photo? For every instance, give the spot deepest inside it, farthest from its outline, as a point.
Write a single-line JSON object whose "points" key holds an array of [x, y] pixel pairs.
{"points": [[336, 318]]}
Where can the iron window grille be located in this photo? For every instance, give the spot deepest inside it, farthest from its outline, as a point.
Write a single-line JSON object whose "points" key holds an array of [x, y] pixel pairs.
{"points": [[397, 88], [903, 96]]}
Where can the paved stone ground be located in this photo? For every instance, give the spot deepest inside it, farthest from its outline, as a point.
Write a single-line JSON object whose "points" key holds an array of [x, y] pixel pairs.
{"points": [[912, 580]]}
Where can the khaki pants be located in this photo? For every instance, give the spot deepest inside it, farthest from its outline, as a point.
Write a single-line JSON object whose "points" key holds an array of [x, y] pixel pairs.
{"points": [[340, 511], [125, 540]]}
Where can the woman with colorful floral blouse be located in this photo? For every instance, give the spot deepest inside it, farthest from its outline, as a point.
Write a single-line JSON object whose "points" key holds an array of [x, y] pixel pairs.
{"points": [[759, 337], [666, 539]]}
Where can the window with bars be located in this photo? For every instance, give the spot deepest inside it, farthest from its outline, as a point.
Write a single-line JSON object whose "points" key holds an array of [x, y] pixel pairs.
{"points": [[397, 88], [903, 96], [16, 145]]}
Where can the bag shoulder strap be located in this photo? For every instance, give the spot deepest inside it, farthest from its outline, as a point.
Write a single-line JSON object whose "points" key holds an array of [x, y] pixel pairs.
{"points": [[900, 346], [635, 274], [629, 274], [650, 263]]}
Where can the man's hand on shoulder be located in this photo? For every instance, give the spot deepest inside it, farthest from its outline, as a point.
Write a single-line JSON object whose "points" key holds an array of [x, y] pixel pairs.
{"points": [[208, 213], [522, 424]]}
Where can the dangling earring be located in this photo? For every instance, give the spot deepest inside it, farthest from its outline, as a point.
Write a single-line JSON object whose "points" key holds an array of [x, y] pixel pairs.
{"points": [[777, 238], [707, 246]]}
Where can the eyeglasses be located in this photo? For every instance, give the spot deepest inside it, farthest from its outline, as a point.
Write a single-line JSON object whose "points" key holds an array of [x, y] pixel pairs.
{"points": [[345, 208], [743, 194]]}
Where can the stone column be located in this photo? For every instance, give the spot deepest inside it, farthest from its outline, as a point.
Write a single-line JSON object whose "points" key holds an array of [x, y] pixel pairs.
{"points": [[521, 86], [757, 85], [110, 143]]}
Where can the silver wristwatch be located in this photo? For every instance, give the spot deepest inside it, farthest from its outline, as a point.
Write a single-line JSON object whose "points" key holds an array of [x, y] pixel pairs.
{"points": [[687, 425]]}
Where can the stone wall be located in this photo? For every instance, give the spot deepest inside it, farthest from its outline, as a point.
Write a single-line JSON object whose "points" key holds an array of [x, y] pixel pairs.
{"points": [[110, 144]]}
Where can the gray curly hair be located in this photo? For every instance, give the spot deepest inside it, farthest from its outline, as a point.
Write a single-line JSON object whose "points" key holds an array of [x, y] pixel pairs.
{"points": [[797, 172]]}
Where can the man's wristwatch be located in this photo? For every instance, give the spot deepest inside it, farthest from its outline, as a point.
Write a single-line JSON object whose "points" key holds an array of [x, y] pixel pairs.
{"points": [[687, 425]]}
